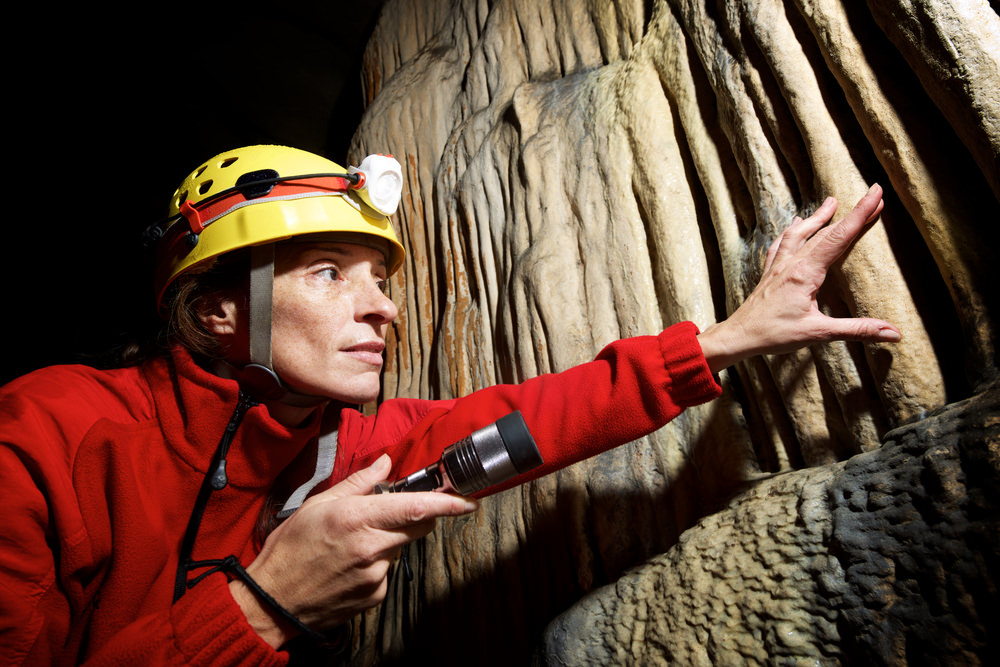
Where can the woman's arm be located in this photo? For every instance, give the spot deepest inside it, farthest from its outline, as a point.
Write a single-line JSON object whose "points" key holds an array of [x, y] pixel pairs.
{"points": [[347, 538]]}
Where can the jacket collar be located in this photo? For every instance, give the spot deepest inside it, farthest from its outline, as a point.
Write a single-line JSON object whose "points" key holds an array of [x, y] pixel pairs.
{"points": [[194, 407]]}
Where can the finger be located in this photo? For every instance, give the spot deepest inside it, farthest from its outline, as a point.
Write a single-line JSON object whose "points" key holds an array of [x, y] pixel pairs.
{"points": [[837, 238], [875, 214], [362, 482], [800, 230], [403, 511], [814, 222], [772, 250], [865, 329], [823, 214]]}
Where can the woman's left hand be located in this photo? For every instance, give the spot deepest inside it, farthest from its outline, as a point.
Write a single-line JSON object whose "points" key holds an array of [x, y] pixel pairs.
{"points": [[781, 314]]}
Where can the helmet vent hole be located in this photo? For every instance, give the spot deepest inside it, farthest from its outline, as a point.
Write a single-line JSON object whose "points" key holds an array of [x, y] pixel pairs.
{"points": [[204, 187], [228, 162]]}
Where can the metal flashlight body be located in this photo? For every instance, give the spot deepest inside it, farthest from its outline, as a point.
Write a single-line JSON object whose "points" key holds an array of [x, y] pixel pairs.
{"points": [[484, 458]]}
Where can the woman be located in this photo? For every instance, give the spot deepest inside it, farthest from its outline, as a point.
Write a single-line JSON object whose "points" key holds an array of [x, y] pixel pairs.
{"points": [[133, 495]]}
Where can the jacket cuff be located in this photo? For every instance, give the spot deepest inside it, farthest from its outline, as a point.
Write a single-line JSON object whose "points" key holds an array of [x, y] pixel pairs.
{"points": [[690, 379], [210, 628]]}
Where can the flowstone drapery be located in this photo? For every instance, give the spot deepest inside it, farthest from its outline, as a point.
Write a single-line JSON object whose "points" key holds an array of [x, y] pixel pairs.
{"points": [[582, 170]]}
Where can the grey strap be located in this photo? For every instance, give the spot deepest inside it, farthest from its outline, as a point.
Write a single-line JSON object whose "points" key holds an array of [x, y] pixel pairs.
{"points": [[259, 375], [325, 456], [261, 289]]}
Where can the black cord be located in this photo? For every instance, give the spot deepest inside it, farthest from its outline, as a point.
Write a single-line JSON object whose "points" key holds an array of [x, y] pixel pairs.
{"points": [[215, 480], [404, 557], [231, 565], [154, 232]]}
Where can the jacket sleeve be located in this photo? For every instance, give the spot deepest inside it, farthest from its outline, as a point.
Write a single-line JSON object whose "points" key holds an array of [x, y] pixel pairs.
{"points": [[39, 522], [631, 389], [50, 572], [205, 628]]}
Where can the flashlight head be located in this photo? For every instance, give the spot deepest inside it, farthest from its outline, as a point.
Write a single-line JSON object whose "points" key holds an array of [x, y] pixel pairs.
{"points": [[491, 455], [487, 457]]}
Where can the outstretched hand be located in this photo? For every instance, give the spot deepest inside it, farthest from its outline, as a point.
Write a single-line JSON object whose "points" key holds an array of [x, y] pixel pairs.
{"points": [[781, 314], [330, 560]]}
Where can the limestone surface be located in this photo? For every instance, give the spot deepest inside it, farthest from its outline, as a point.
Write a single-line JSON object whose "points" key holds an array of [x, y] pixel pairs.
{"points": [[583, 170], [889, 558]]}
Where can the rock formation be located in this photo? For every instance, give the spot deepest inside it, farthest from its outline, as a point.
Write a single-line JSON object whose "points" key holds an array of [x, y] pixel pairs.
{"points": [[888, 557], [582, 170]]}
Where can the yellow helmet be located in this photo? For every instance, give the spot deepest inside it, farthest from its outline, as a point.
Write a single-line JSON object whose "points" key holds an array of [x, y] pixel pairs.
{"points": [[263, 194]]}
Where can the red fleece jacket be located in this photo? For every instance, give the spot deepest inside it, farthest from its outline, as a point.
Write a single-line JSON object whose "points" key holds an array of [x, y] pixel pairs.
{"points": [[99, 471]]}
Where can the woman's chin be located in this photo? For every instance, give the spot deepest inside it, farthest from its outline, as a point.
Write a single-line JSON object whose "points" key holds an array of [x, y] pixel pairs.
{"points": [[350, 396]]}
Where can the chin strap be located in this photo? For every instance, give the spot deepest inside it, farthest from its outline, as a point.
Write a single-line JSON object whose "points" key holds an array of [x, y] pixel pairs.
{"points": [[258, 376], [261, 298]]}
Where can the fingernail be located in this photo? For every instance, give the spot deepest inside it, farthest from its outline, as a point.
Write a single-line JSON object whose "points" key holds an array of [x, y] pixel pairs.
{"points": [[888, 335], [469, 505]]}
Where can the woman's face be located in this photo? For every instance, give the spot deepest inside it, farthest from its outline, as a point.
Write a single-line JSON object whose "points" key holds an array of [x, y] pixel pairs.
{"points": [[330, 318]]}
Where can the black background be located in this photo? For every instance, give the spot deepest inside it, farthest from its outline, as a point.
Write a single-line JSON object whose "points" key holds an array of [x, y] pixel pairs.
{"points": [[108, 112]]}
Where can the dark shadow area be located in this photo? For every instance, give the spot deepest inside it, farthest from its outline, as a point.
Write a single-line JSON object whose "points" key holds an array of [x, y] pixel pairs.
{"points": [[111, 111], [949, 314]]}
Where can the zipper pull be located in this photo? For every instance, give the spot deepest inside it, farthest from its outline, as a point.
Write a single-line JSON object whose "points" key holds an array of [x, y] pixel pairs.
{"points": [[218, 476]]}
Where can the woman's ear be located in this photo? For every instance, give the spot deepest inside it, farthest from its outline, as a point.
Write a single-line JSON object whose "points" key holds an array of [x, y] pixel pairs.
{"points": [[219, 315]]}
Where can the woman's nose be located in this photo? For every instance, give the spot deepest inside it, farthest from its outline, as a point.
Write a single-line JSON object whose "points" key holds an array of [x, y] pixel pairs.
{"points": [[375, 305]]}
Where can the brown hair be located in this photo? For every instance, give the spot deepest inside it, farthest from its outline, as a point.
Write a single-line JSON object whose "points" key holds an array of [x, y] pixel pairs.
{"points": [[180, 324], [224, 276]]}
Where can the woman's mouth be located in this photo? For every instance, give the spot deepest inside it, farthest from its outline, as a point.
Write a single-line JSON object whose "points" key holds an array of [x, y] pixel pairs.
{"points": [[368, 352]]}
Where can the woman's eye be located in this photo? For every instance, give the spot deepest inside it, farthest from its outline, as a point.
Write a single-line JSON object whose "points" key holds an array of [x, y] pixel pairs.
{"points": [[332, 273], [383, 285]]}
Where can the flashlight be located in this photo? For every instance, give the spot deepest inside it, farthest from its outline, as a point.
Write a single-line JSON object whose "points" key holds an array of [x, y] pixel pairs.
{"points": [[486, 457]]}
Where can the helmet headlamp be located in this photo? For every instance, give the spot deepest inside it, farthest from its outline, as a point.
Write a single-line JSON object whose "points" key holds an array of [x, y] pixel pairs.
{"points": [[379, 182]]}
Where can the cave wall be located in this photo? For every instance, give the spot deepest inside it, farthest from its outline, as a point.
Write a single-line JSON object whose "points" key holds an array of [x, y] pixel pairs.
{"points": [[582, 170]]}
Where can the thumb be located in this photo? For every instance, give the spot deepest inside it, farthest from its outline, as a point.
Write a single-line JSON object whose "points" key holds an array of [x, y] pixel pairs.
{"points": [[864, 329], [363, 481]]}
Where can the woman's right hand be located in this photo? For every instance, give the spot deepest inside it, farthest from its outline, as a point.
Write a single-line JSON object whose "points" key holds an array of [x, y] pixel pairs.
{"points": [[330, 560], [782, 313]]}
